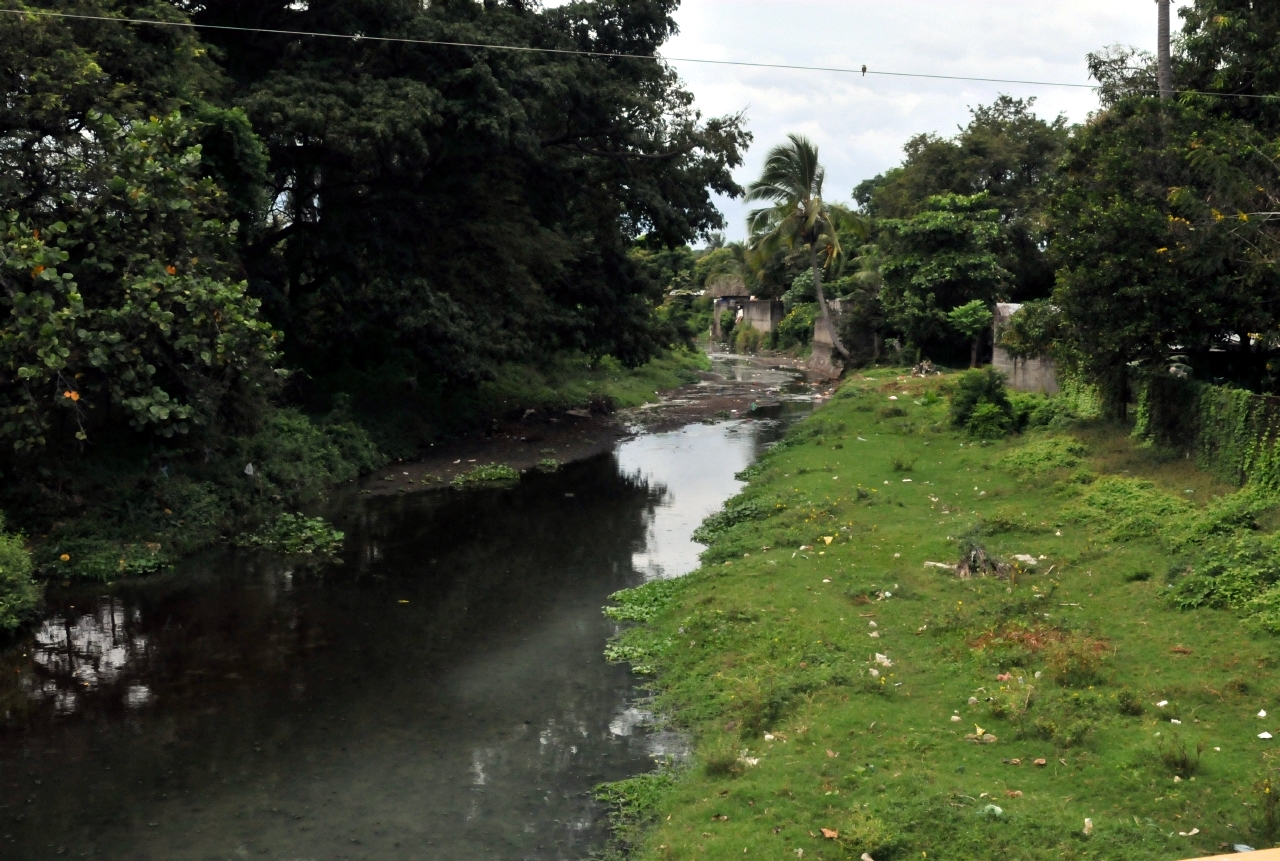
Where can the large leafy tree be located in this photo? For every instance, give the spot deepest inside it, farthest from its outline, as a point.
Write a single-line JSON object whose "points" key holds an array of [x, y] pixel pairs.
{"points": [[120, 298], [799, 219], [944, 257], [125, 312], [1163, 244], [1005, 151], [445, 208]]}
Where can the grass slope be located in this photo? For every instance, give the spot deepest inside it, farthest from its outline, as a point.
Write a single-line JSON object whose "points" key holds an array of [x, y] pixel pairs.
{"points": [[1095, 697]]}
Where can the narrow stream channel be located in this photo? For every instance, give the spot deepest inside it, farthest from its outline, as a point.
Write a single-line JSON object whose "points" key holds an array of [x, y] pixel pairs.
{"points": [[440, 695]]}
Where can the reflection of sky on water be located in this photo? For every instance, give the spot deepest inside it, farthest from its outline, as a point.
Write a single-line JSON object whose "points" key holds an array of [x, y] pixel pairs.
{"points": [[696, 482]]}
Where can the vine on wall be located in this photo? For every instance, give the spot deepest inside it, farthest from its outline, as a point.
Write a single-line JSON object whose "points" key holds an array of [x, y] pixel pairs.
{"points": [[1232, 432]]}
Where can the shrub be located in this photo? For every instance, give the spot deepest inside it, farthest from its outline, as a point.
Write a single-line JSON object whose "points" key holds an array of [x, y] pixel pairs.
{"points": [[988, 421], [796, 329], [1128, 507], [975, 388], [748, 339], [1075, 661], [1177, 757], [19, 594]]}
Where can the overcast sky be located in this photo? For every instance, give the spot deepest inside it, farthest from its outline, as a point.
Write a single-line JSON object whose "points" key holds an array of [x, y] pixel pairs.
{"points": [[860, 124]]}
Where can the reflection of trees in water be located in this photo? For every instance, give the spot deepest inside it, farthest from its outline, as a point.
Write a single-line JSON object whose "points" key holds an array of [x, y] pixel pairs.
{"points": [[474, 550], [74, 656], [242, 666]]}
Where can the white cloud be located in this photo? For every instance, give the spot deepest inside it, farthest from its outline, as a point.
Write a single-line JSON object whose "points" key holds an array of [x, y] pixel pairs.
{"points": [[861, 123]]}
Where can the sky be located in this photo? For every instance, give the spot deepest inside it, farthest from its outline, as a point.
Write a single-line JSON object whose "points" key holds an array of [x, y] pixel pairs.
{"points": [[860, 124]]}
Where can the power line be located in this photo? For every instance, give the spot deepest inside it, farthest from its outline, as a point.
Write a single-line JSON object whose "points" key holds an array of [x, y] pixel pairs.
{"points": [[863, 71]]}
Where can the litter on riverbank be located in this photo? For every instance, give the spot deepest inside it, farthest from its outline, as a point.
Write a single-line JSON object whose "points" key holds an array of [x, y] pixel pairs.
{"points": [[1055, 703]]}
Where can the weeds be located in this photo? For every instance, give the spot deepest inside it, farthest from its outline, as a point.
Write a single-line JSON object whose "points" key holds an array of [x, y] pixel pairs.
{"points": [[1044, 455], [489, 473], [294, 533], [1075, 661], [1177, 757]]}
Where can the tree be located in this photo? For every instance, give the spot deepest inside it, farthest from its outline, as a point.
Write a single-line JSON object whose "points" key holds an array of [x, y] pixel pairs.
{"points": [[946, 256], [124, 313], [439, 210], [799, 218], [1005, 151], [971, 320], [1157, 248]]}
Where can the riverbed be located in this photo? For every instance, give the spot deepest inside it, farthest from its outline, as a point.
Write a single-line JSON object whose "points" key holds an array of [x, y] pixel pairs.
{"points": [[440, 694]]}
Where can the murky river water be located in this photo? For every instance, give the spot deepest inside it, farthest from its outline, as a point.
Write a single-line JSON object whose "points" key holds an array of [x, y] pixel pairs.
{"points": [[441, 695]]}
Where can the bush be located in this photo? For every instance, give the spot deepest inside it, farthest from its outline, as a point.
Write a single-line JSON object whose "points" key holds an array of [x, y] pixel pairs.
{"points": [[988, 421], [19, 595], [984, 386], [796, 329], [747, 339]]}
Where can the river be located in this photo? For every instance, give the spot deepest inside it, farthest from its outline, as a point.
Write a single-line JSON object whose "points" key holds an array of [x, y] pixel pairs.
{"points": [[442, 694]]}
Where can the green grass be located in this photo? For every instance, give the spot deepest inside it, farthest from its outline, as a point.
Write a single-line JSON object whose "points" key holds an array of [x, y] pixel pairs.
{"points": [[766, 654]]}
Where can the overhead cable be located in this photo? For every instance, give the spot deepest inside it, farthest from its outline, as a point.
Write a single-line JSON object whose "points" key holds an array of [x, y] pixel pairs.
{"points": [[358, 37]]}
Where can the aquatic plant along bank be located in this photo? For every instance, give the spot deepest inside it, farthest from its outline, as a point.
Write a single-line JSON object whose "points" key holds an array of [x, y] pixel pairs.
{"points": [[910, 643]]}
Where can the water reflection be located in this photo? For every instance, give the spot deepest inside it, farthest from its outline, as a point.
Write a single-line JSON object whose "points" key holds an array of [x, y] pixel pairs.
{"points": [[442, 694]]}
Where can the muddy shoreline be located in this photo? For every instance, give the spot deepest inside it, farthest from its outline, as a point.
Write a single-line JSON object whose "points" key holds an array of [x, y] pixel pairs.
{"points": [[726, 392]]}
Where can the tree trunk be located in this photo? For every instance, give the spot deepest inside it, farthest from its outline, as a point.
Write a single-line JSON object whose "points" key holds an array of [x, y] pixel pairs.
{"points": [[973, 352], [822, 302], [1164, 66]]}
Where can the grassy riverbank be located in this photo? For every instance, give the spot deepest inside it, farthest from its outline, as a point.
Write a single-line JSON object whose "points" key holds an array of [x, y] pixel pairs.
{"points": [[848, 697]]}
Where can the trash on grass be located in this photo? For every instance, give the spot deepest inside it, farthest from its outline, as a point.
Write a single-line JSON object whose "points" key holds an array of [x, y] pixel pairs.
{"points": [[1088, 827]]}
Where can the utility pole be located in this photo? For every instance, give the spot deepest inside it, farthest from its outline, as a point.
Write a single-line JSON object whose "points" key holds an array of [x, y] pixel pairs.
{"points": [[1164, 65]]}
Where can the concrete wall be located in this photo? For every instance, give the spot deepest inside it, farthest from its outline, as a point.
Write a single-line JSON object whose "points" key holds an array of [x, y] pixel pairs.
{"points": [[824, 361], [1025, 375], [764, 315]]}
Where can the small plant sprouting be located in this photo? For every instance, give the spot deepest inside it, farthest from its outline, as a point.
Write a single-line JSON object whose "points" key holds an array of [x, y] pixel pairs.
{"points": [[1177, 757], [548, 464]]}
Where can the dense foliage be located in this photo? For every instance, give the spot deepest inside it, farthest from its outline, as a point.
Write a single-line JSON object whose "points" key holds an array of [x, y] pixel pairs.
{"points": [[221, 251]]}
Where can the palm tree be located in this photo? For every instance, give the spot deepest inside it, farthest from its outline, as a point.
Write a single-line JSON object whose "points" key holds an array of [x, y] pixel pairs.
{"points": [[798, 218]]}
